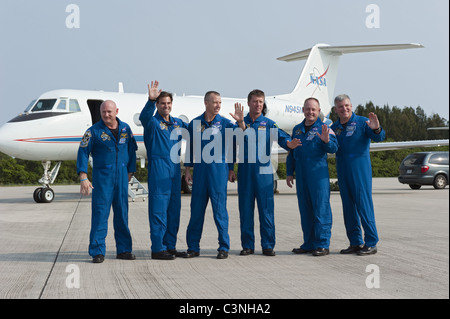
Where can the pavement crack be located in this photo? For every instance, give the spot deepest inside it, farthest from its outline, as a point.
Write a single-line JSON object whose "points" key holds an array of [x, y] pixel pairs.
{"points": [[59, 249]]}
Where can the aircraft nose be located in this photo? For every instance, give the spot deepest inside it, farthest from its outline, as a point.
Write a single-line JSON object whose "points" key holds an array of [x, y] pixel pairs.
{"points": [[5, 138]]}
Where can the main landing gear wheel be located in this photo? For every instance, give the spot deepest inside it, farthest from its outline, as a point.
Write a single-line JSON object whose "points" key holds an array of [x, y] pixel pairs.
{"points": [[43, 195]]}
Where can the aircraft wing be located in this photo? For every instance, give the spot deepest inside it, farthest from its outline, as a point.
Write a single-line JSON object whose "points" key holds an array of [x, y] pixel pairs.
{"points": [[374, 147], [389, 146]]}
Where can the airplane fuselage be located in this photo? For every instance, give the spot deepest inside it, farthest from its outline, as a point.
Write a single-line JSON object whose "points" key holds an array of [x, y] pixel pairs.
{"points": [[55, 134]]}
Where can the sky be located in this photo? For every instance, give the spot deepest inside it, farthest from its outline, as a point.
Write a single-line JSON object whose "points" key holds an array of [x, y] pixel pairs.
{"points": [[192, 46]]}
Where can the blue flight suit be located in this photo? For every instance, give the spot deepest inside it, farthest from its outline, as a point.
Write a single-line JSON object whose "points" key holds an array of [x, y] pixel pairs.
{"points": [[112, 161], [354, 171], [164, 177], [210, 178], [309, 161], [255, 181]]}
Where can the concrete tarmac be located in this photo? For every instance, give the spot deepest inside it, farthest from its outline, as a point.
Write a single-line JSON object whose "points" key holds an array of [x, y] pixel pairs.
{"points": [[43, 252]]}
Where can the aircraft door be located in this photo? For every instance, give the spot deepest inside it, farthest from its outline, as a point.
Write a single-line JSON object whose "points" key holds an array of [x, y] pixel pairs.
{"points": [[94, 108]]}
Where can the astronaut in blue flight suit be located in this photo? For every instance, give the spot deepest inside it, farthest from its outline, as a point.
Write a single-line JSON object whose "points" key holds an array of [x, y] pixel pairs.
{"points": [[255, 175], [354, 170], [208, 155], [113, 148], [164, 177], [309, 162]]}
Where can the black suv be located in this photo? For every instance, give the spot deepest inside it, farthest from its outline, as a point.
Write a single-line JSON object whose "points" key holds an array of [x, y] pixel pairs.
{"points": [[425, 168]]}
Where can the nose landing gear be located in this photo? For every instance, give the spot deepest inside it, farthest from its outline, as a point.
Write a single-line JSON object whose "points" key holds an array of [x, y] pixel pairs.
{"points": [[45, 194]]}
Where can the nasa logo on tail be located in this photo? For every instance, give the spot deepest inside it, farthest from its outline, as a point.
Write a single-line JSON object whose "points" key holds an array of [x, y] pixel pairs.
{"points": [[317, 78]]}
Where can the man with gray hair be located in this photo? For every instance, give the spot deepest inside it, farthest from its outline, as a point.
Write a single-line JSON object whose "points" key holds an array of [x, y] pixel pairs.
{"points": [[354, 170]]}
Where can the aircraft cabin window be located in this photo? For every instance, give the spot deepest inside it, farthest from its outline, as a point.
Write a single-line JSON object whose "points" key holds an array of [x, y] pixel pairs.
{"points": [[62, 105], [74, 106], [44, 105]]}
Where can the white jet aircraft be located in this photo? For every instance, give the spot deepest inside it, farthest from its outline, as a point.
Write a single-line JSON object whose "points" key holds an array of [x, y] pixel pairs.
{"points": [[51, 127]]}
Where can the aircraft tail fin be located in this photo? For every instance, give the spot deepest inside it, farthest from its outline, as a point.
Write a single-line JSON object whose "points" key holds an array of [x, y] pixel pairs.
{"points": [[319, 74]]}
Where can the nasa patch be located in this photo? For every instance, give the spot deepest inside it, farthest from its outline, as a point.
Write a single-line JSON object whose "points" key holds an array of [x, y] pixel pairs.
{"points": [[86, 138], [105, 137]]}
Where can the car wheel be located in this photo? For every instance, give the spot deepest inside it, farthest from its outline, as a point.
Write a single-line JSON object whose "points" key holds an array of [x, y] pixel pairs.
{"points": [[415, 186], [185, 187], [440, 182]]}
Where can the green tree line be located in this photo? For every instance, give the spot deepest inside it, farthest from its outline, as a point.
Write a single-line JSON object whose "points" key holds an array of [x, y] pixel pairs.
{"points": [[405, 124]]}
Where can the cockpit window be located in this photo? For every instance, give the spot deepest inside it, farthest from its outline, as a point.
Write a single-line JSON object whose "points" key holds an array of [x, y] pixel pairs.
{"points": [[44, 105], [74, 106], [62, 105], [30, 106]]}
